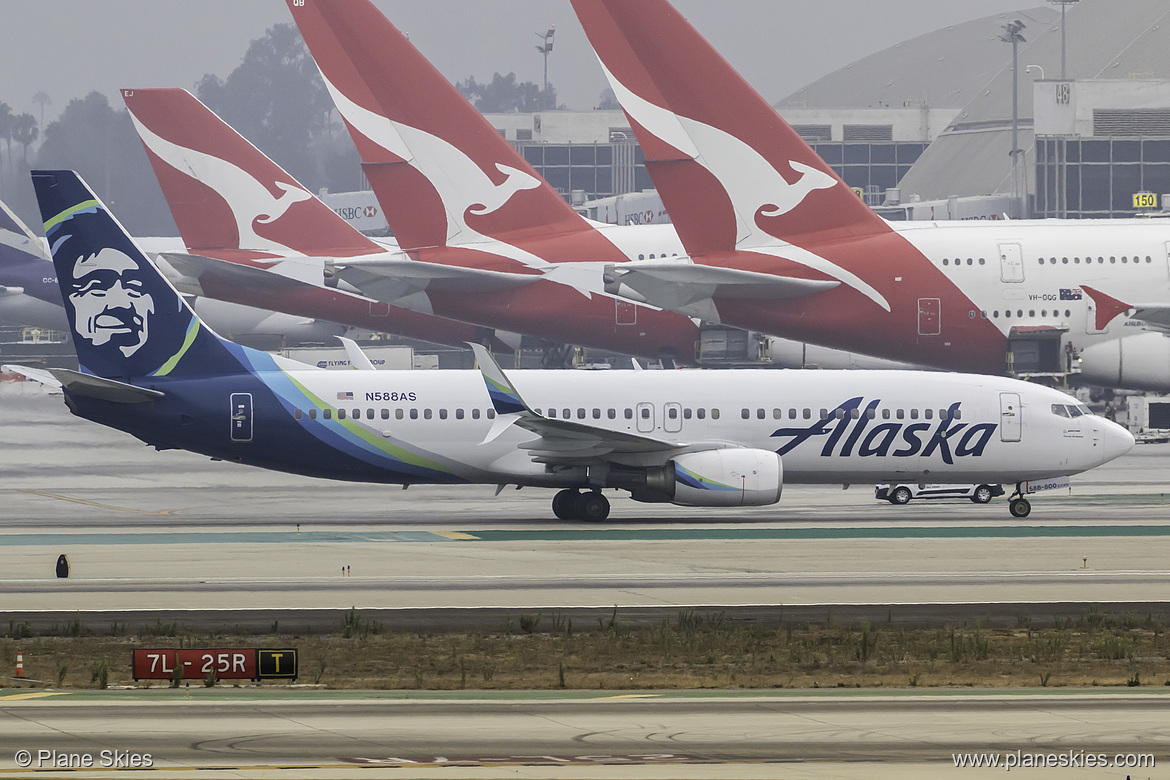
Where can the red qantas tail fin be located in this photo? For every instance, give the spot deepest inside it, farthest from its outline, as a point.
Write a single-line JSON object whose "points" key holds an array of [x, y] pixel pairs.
{"points": [[731, 172], [223, 192], [442, 173]]}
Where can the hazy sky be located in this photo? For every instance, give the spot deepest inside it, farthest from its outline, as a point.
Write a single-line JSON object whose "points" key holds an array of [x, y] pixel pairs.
{"points": [[68, 48]]}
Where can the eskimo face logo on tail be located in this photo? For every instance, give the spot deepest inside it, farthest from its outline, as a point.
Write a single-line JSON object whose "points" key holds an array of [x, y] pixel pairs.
{"points": [[110, 301], [849, 432]]}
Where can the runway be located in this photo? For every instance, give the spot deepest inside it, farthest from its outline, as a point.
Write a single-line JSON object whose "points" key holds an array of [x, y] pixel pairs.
{"points": [[584, 734], [175, 531]]}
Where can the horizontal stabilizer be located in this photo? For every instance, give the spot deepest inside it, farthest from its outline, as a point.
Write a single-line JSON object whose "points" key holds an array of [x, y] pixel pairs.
{"points": [[4, 291], [88, 385], [288, 274], [392, 279], [688, 288], [1153, 315]]}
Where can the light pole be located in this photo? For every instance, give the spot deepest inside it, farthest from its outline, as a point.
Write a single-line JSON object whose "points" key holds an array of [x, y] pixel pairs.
{"points": [[545, 48], [1063, 4], [1011, 34]]}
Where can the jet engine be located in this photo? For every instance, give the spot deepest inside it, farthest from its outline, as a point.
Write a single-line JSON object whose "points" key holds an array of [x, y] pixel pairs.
{"points": [[726, 477], [1138, 362]]}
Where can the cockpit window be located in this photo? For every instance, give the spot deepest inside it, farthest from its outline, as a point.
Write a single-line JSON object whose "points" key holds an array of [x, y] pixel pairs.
{"points": [[1060, 410], [1074, 410], [1084, 409]]}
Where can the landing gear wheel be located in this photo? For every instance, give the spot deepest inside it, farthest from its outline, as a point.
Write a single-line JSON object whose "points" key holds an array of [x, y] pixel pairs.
{"points": [[592, 507], [564, 504], [900, 495], [982, 495], [1020, 507]]}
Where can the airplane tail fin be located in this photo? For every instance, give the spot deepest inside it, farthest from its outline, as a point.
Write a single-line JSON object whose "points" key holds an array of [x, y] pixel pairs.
{"points": [[126, 318], [731, 172], [442, 173], [224, 193]]}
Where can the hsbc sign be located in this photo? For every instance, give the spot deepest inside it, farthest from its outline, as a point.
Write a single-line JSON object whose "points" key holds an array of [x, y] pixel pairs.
{"points": [[359, 209]]}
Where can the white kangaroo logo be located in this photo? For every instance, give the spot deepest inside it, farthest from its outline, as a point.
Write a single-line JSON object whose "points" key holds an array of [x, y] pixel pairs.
{"points": [[749, 180], [249, 200], [462, 185]]}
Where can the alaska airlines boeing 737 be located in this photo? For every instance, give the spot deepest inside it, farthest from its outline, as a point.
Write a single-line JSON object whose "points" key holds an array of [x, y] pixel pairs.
{"points": [[747, 193], [697, 438]]}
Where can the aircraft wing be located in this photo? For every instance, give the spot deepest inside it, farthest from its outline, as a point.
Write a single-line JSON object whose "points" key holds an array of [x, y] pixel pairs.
{"points": [[389, 279], [192, 266], [6, 291], [689, 287], [566, 441], [1155, 316]]}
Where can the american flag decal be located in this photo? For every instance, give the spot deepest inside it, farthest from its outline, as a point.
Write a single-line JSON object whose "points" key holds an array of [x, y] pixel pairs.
{"points": [[1073, 294], [345, 396]]}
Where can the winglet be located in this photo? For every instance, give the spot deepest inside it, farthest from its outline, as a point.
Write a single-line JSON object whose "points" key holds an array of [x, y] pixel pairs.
{"points": [[1108, 307], [358, 359], [505, 398]]}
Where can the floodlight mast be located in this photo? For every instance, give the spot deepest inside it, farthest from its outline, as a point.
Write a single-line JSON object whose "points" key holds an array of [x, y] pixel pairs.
{"points": [[545, 48], [1011, 34], [1063, 4]]}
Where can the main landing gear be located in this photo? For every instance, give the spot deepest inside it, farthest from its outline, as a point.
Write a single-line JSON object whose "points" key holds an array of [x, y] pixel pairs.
{"points": [[571, 504], [1019, 506]]}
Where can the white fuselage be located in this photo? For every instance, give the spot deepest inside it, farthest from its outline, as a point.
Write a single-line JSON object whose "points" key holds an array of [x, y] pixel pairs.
{"points": [[1004, 430]]}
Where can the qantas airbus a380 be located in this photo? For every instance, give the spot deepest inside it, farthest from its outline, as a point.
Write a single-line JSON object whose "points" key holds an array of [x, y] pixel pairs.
{"points": [[151, 368], [746, 192]]}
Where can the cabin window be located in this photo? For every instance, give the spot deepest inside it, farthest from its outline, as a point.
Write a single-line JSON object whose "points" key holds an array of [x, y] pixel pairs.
{"points": [[475, 414], [596, 414], [398, 414], [714, 414], [824, 414], [777, 414], [442, 414], [687, 413], [459, 414], [701, 413], [567, 413], [611, 414], [297, 414], [340, 414], [871, 413], [580, 414], [929, 414], [312, 414], [327, 413], [385, 414], [760, 414], [427, 414], [629, 414], [414, 414], [645, 413], [885, 414], [745, 413], [855, 413], [369, 414], [958, 415], [839, 414], [491, 414], [807, 413], [672, 413], [982, 261], [913, 414], [901, 414]]}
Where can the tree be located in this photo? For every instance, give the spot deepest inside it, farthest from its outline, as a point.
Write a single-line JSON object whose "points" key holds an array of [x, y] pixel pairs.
{"points": [[277, 100], [24, 132], [6, 120], [42, 99], [607, 101], [504, 95]]}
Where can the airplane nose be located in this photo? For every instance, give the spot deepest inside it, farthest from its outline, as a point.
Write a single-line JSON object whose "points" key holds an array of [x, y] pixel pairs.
{"points": [[1115, 441]]}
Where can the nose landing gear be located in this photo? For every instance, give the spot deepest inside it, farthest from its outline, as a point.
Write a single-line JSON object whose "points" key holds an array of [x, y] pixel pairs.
{"points": [[1017, 504], [571, 504]]}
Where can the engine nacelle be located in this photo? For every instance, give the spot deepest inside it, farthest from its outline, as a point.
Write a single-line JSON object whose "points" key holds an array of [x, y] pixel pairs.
{"points": [[729, 477], [1138, 362]]}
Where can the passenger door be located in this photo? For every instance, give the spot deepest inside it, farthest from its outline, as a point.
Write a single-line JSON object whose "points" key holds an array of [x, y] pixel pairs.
{"points": [[929, 316], [672, 417], [1010, 418], [1011, 263], [645, 414]]}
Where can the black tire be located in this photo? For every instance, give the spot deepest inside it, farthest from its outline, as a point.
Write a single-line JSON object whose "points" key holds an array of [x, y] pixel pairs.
{"points": [[982, 495], [564, 504], [1020, 507], [592, 507], [900, 495]]}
